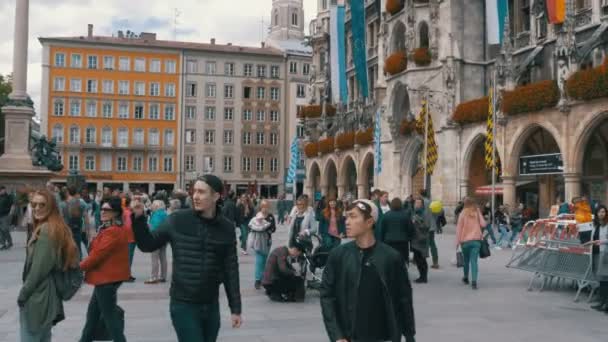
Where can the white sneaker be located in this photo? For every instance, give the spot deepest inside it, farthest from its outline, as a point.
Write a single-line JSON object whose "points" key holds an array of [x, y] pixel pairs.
{"points": [[498, 248]]}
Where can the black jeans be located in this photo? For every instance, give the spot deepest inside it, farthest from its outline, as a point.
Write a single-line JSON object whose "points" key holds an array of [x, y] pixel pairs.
{"points": [[603, 292], [103, 306], [290, 286], [403, 247], [195, 322], [77, 236], [421, 264]]}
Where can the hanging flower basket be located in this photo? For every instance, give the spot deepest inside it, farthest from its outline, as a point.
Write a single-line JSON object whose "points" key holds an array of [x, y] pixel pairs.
{"points": [[422, 56], [530, 98], [396, 63], [471, 111], [407, 127], [589, 84], [345, 140], [326, 145], [315, 111], [394, 6], [364, 137], [311, 149]]}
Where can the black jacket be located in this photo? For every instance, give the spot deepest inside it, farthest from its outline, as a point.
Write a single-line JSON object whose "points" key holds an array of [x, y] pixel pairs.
{"points": [[204, 255], [339, 296], [6, 202], [397, 226], [229, 211]]}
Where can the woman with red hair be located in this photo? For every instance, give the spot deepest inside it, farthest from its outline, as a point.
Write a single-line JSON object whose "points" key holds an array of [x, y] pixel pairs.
{"points": [[331, 224]]}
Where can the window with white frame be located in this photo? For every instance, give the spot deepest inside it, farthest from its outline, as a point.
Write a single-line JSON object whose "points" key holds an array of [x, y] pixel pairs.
{"points": [[58, 107], [259, 164], [169, 112], [293, 67], [76, 61], [191, 89], [227, 164], [154, 111], [301, 91], [190, 136], [108, 63], [106, 137], [168, 164], [261, 93], [58, 133], [190, 112], [154, 137], [59, 84], [140, 64], [155, 65], [261, 70], [123, 110], [92, 109], [92, 62], [123, 87], [138, 137], [124, 64], [121, 163], [191, 66], [91, 86], [89, 163], [294, 19], [247, 92], [154, 89], [259, 138], [209, 113], [108, 87], [106, 162], [169, 139], [228, 91], [76, 85], [140, 88], [274, 139], [306, 69], [169, 89], [74, 162], [74, 135], [246, 164], [210, 68], [60, 59], [123, 137], [209, 136], [247, 115], [106, 110], [261, 116], [170, 67], [138, 162], [208, 163], [247, 70], [274, 71], [138, 111], [229, 69], [75, 108], [189, 162], [228, 137], [152, 164], [228, 113], [274, 115], [274, 94], [210, 89], [274, 165], [246, 138]]}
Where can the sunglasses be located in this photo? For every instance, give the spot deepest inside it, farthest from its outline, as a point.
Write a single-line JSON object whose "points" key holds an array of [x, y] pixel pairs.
{"points": [[38, 204], [106, 209]]}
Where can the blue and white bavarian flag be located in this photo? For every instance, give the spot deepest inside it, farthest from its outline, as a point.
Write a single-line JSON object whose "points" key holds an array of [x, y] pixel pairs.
{"points": [[377, 145], [295, 158]]}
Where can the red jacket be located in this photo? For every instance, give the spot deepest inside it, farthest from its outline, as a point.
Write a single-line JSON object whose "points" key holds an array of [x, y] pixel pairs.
{"points": [[108, 260], [127, 224]]}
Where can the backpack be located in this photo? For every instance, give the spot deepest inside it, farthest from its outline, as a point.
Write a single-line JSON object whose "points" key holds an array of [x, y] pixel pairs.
{"points": [[74, 209], [72, 213], [68, 282]]}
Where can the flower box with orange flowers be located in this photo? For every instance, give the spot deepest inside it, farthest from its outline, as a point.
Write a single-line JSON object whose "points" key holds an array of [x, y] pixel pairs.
{"points": [[530, 98], [422, 56], [407, 127], [311, 149], [326, 145], [364, 137], [315, 111], [589, 83], [471, 111], [396, 63], [345, 141], [394, 6]]}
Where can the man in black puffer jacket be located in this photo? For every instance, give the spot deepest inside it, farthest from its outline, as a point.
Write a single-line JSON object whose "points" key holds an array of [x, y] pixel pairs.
{"points": [[204, 255]]}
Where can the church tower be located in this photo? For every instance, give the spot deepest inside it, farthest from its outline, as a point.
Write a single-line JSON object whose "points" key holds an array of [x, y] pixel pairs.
{"points": [[287, 20]]}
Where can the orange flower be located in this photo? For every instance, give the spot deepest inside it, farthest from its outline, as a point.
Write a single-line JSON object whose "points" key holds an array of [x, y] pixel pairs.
{"points": [[364, 137], [326, 145], [407, 127], [345, 140], [471, 111], [394, 6], [311, 149], [422, 56], [531, 97], [396, 63], [589, 84]]}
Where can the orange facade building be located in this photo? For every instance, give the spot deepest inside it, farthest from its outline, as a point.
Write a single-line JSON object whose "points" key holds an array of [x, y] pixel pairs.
{"points": [[114, 110]]}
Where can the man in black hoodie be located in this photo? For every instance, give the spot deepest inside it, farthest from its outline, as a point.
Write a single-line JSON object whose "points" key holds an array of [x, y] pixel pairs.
{"points": [[204, 255], [6, 202]]}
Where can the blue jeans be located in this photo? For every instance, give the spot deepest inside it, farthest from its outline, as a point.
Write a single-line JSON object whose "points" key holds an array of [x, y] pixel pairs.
{"points": [[260, 264], [44, 335], [490, 232], [502, 228], [132, 246], [243, 237], [470, 253], [515, 230], [195, 322]]}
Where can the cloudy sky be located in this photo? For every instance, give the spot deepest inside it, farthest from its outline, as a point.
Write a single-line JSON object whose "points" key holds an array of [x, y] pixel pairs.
{"points": [[236, 21]]}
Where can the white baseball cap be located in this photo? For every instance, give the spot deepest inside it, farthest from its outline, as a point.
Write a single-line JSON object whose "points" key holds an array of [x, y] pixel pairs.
{"points": [[367, 206]]}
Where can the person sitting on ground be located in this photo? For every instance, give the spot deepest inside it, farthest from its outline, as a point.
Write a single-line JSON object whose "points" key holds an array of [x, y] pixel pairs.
{"points": [[281, 280]]}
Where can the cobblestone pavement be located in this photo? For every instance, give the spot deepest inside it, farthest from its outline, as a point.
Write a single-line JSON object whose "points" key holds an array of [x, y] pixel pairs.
{"points": [[501, 310]]}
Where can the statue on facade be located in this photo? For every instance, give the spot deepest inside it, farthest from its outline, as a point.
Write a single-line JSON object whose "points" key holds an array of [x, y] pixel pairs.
{"points": [[435, 29], [312, 86], [563, 71], [45, 153]]}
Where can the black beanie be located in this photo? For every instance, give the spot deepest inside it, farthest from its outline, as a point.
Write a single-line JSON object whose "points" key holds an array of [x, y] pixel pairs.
{"points": [[115, 203], [214, 182]]}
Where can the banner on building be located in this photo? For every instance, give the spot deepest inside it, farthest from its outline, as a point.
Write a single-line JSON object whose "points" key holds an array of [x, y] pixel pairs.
{"points": [[377, 144], [358, 25], [337, 50], [556, 11], [424, 127], [294, 160], [496, 13]]}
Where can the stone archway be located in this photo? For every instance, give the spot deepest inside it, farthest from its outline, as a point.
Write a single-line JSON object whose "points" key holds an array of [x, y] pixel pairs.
{"points": [[411, 177], [475, 172], [313, 179], [365, 181], [590, 165], [348, 175], [330, 179]]}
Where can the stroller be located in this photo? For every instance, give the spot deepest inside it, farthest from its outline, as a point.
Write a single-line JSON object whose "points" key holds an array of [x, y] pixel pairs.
{"points": [[314, 259]]}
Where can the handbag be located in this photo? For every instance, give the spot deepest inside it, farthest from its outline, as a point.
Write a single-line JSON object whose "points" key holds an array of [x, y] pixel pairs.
{"points": [[459, 258], [484, 251]]}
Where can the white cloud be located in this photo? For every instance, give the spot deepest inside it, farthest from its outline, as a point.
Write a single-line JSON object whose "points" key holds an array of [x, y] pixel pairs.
{"points": [[198, 21]]}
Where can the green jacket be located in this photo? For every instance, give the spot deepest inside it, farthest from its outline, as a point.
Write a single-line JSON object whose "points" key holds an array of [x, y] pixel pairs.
{"points": [[42, 305]]}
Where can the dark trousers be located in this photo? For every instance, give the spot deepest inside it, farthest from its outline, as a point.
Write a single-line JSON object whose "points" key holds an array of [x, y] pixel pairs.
{"points": [[421, 264], [290, 286], [77, 236], [103, 306], [603, 292], [403, 247], [244, 234], [195, 322]]}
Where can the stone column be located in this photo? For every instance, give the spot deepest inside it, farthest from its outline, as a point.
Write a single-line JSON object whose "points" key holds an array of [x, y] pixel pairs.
{"points": [[324, 189], [307, 191], [99, 186], [151, 188], [20, 50], [341, 190], [464, 188], [362, 191], [125, 186], [572, 185], [508, 190]]}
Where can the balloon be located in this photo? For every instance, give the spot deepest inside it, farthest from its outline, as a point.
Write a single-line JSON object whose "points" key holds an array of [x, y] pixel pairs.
{"points": [[436, 207]]}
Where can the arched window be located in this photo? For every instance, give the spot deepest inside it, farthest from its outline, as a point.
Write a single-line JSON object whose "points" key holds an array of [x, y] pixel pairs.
{"points": [[90, 135], [423, 31], [106, 136], [74, 135], [58, 133], [276, 18], [294, 19]]}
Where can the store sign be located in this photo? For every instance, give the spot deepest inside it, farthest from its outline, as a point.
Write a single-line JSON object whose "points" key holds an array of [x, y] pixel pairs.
{"points": [[542, 164]]}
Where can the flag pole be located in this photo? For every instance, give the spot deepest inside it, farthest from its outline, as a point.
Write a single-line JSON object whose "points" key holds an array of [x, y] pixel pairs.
{"points": [[426, 139], [493, 145]]}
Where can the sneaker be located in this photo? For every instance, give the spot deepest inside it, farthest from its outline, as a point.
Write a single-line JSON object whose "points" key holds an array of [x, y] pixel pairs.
{"points": [[162, 280], [131, 280], [152, 281], [421, 281], [465, 280], [498, 248], [244, 252], [258, 285], [436, 267], [474, 285]]}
